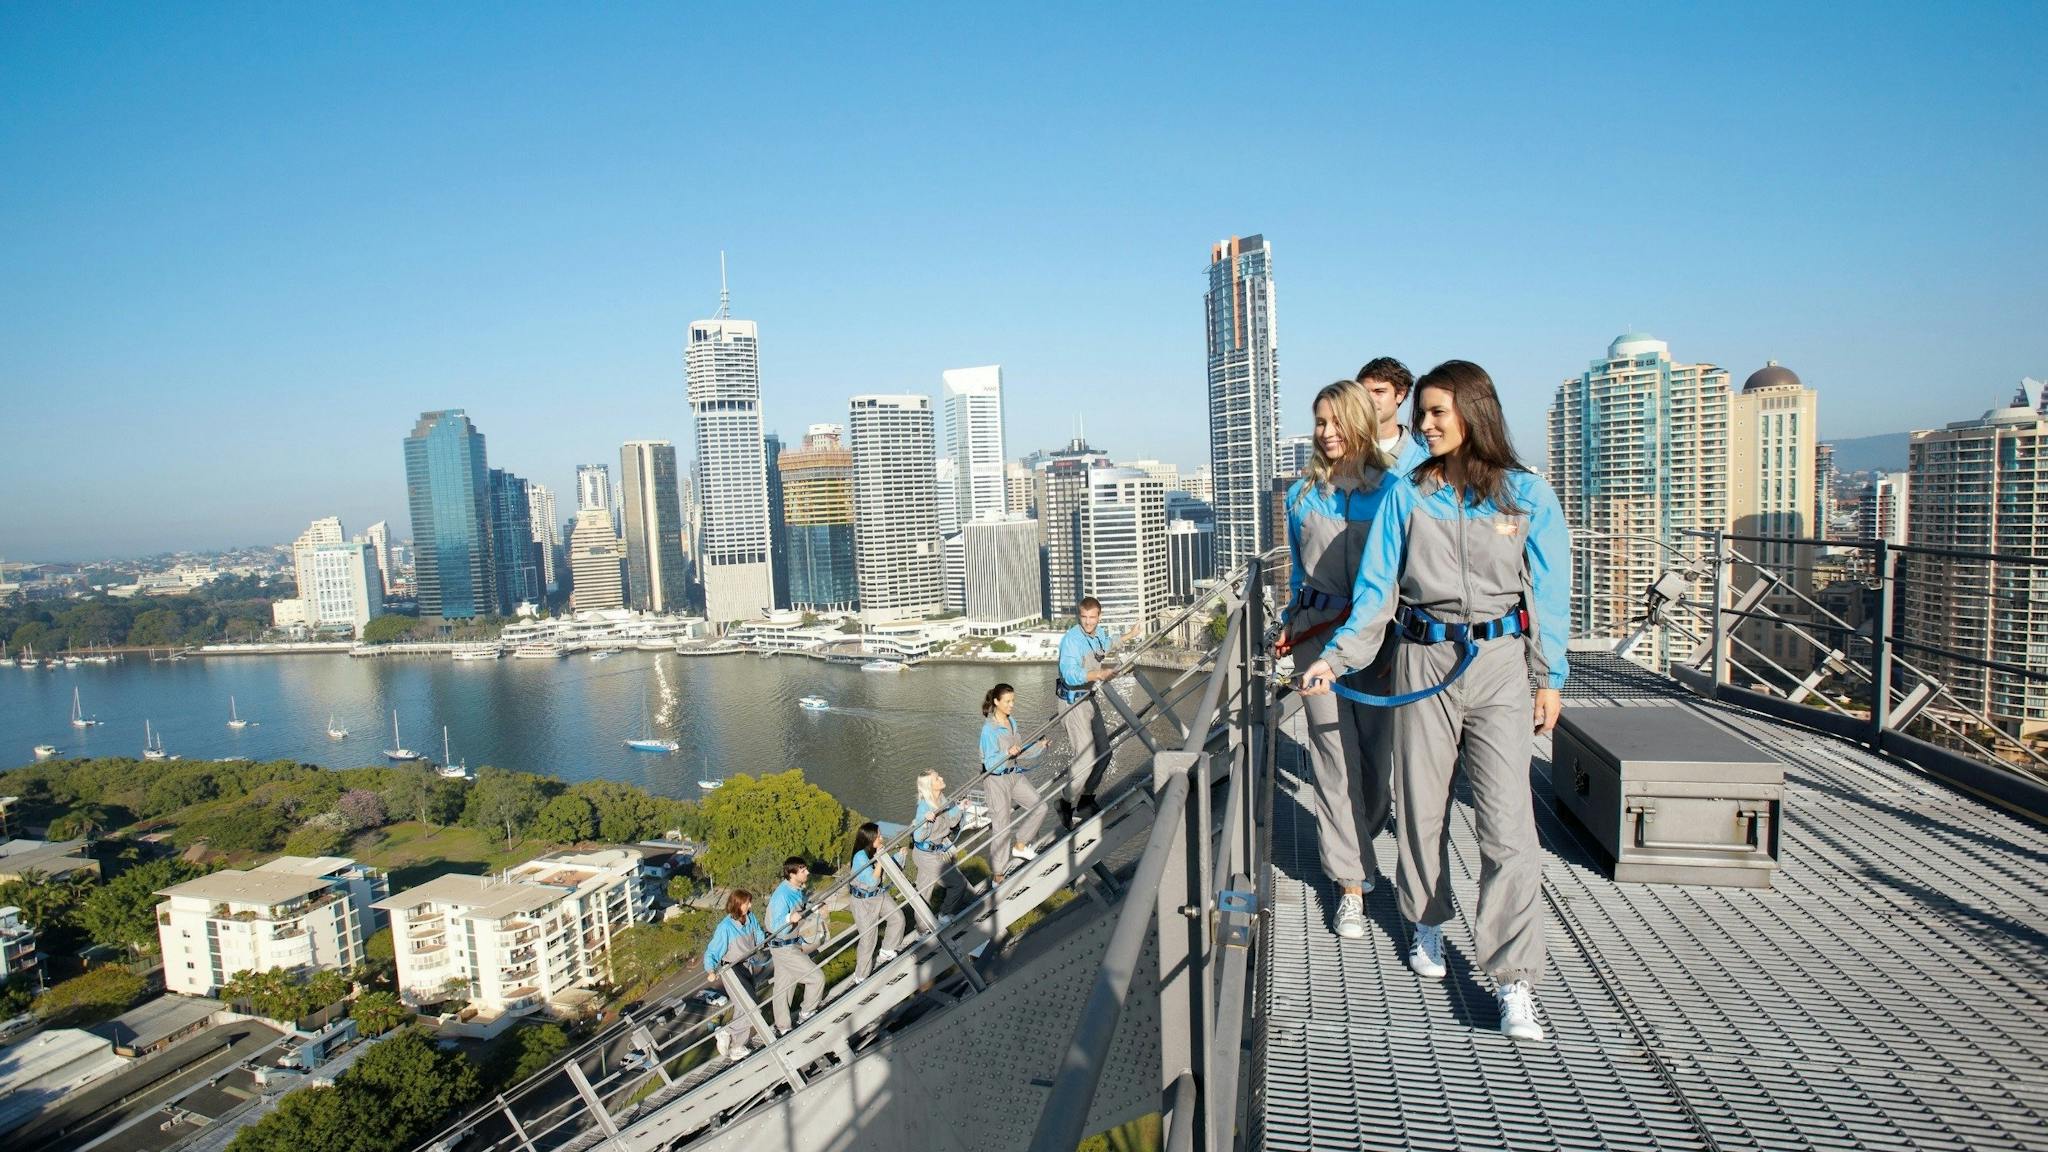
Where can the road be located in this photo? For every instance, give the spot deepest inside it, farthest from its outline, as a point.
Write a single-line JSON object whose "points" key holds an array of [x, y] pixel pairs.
{"points": [[85, 1114]]}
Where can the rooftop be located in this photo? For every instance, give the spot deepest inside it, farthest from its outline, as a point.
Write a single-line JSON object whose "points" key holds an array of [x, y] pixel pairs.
{"points": [[53, 858], [153, 1020], [483, 896], [257, 886]]}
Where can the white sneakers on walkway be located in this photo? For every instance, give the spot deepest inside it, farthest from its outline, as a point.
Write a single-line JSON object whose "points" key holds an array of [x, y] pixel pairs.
{"points": [[884, 955], [1023, 852], [1351, 922], [733, 1053], [1518, 1011], [1426, 954]]}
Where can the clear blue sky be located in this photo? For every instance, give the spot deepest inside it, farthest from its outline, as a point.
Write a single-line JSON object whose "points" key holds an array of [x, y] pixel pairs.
{"points": [[242, 246]]}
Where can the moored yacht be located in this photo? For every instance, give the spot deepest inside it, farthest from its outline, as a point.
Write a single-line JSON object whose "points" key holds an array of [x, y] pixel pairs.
{"points": [[398, 750]]}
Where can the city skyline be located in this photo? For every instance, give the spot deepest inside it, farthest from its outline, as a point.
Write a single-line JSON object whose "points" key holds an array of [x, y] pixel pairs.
{"points": [[204, 274]]}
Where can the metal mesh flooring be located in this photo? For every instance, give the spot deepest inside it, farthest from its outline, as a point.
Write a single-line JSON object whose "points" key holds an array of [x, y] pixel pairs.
{"points": [[1891, 991]]}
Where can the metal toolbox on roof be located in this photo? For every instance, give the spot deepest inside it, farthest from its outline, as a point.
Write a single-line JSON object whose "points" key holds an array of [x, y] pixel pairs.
{"points": [[1671, 796]]}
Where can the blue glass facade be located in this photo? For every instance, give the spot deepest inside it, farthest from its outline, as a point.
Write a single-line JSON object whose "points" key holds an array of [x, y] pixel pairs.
{"points": [[447, 482], [517, 557], [821, 572], [778, 526]]}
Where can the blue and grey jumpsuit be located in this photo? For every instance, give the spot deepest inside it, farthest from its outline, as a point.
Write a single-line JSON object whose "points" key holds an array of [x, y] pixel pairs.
{"points": [[793, 965], [1467, 564], [1350, 745], [732, 942], [1087, 733], [872, 910], [931, 849], [1008, 791]]}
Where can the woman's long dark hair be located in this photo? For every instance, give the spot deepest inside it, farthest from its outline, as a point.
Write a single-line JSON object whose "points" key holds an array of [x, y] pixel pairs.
{"points": [[1487, 455], [988, 702], [868, 839]]}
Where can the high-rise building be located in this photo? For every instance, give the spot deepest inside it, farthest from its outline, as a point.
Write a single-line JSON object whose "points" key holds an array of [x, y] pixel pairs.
{"points": [[1190, 557], [1638, 455], [724, 370], [656, 580], [1244, 395], [973, 403], [447, 482], [1772, 425], [596, 562], [326, 530], [1123, 547], [1296, 454], [517, 558], [338, 582], [1001, 586], [778, 528], [294, 913], [1062, 488], [378, 536], [593, 486], [1168, 475], [540, 509], [1201, 484], [953, 554], [896, 507], [817, 511], [1889, 499], [946, 470], [1017, 489], [1981, 486], [1823, 488]]}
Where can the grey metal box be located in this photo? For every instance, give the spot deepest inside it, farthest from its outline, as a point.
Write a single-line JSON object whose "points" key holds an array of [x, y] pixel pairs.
{"points": [[1672, 796]]}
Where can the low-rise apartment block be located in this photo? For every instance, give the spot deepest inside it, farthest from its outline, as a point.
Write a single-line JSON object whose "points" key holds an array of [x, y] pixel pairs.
{"points": [[296, 912]]}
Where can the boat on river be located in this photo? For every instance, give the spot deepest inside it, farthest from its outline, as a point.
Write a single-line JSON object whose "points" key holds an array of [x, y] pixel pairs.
{"points": [[45, 751], [652, 744], [449, 771], [335, 731], [704, 779], [882, 666], [78, 717], [398, 750], [813, 703], [235, 718], [152, 743]]}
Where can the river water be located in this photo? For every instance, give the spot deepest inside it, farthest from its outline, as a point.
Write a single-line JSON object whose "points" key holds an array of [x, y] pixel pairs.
{"points": [[567, 718]]}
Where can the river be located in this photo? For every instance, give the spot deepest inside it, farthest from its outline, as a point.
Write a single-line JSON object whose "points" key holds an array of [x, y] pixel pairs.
{"points": [[567, 718]]}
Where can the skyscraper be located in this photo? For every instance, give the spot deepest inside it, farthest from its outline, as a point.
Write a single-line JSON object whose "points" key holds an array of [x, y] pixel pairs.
{"points": [[1296, 454], [594, 486], [656, 580], [596, 562], [540, 508], [378, 536], [1638, 455], [1823, 488], [947, 473], [973, 401], [1244, 395], [517, 560], [1017, 489], [817, 512], [447, 483], [778, 528], [1001, 561], [1772, 426], [1123, 546], [1168, 475], [1201, 484], [1890, 496], [896, 507], [1980, 486], [724, 371], [1062, 487], [1190, 557]]}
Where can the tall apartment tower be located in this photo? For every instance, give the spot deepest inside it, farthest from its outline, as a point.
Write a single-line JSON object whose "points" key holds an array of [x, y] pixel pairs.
{"points": [[1981, 486], [1773, 491], [724, 369], [1000, 554], [1062, 488], [656, 580], [1244, 396], [1889, 497], [1823, 487], [896, 507], [973, 403], [594, 486], [378, 536], [540, 509], [448, 488], [817, 514], [517, 560], [596, 562], [778, 528], [1123, 547], [1638, 455], [1017, 489]]}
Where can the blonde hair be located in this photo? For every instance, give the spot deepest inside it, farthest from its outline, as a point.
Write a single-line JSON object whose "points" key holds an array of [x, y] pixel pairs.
{"points": [[929, 789], [1351, 410]]}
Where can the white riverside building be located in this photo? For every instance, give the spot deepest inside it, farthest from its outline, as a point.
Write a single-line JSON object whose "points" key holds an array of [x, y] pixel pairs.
{"points": [[1001, 559], [972, 399], [723, 367], [295, 912], [896, 547], [1123, 547], [340, 584], [540, 509], [596, 556], [1244, 396], [511, 943]]}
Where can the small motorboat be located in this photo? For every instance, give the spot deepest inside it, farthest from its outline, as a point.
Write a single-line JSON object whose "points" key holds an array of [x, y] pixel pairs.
{"points": [[652, 744], [603, 654], [814, 703], [45, 751], [881, 666]]}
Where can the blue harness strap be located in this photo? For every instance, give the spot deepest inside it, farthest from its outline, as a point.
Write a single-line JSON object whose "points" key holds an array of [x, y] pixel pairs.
{"points": [[1420, 627]]}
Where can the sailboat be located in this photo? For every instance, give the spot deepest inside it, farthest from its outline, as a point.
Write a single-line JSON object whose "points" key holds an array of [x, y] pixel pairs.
{"points": [[78, 717], [655, 743], [448, 770], [152, 744], [335, 731], [398, 750], [234, 718], [704, 779]]}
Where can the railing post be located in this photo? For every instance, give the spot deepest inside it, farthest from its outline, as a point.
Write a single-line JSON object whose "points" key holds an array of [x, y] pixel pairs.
{"points": [[1718, 632], [1880, 645], [743, 1002], [927, 921]]}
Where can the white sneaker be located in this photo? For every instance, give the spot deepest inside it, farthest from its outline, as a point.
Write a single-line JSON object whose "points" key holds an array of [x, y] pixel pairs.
{"points": [[738, 1053], [1518, 1011], [1351, 916], [884, 955], [1023, 853], [1426, 954], [723, 1039]]}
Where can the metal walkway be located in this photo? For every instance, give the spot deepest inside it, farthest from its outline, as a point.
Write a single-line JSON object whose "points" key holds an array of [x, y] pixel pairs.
{"points": [[1890, 992]]}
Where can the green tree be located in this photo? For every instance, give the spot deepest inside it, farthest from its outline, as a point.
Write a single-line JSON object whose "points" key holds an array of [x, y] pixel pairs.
{"points": [[503, 803], [388, 628], [122, 911], [38, 635], [624, 813], [156, 628], [100, 994], [376, 1013], [84, 821], [412, 1085], [566, 819], [526, 1051], [16, 993], [272, 993], [778, 815], [1001, 646]]}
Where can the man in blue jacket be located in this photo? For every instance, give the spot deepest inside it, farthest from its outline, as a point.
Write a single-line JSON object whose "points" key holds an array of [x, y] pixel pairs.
{"points": [[1081, 670]]}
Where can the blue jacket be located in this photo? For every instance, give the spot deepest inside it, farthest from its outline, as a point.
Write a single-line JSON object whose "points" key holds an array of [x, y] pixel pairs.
{"points": [[995, 747], [921, 825], [1326, 524], [782, 904], [1075, 648], [1463, 563], [864, 872], [728, 933], [1414, 450]]}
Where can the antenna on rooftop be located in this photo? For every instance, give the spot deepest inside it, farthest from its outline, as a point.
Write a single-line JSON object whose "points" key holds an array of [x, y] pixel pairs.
{"points": [[724, 294]]}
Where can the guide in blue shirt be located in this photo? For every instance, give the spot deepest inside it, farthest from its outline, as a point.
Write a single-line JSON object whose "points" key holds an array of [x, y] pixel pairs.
{"points": [[1081, 669], [786, 945]]}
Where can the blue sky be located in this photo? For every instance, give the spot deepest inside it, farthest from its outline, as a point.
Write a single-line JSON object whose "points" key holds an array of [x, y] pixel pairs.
{"points": [[242, 246]]}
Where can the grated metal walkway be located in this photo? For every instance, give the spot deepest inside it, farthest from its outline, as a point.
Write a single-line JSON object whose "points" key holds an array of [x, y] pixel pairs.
{"points": [[1891, 991]]}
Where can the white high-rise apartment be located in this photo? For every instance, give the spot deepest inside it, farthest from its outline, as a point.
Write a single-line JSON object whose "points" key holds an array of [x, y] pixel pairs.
{"points": [[515, 941], [594, 486], [596, 561], [1889, 499], [1981, 486], [1296, 454], [326, 530], [657, 580], [973, 403], [342, 586], [1638, 454], [1061, 488], [724, 370], [1168, 475], [1772, 440], [1123, 547], [295, 912], [896, 557], [1001, 558], [946, 472], [1244, 396], [540, 508], [379, 537]]}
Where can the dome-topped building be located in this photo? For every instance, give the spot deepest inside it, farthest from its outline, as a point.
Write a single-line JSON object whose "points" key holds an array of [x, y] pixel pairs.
{"points": [[1771, 375]]}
